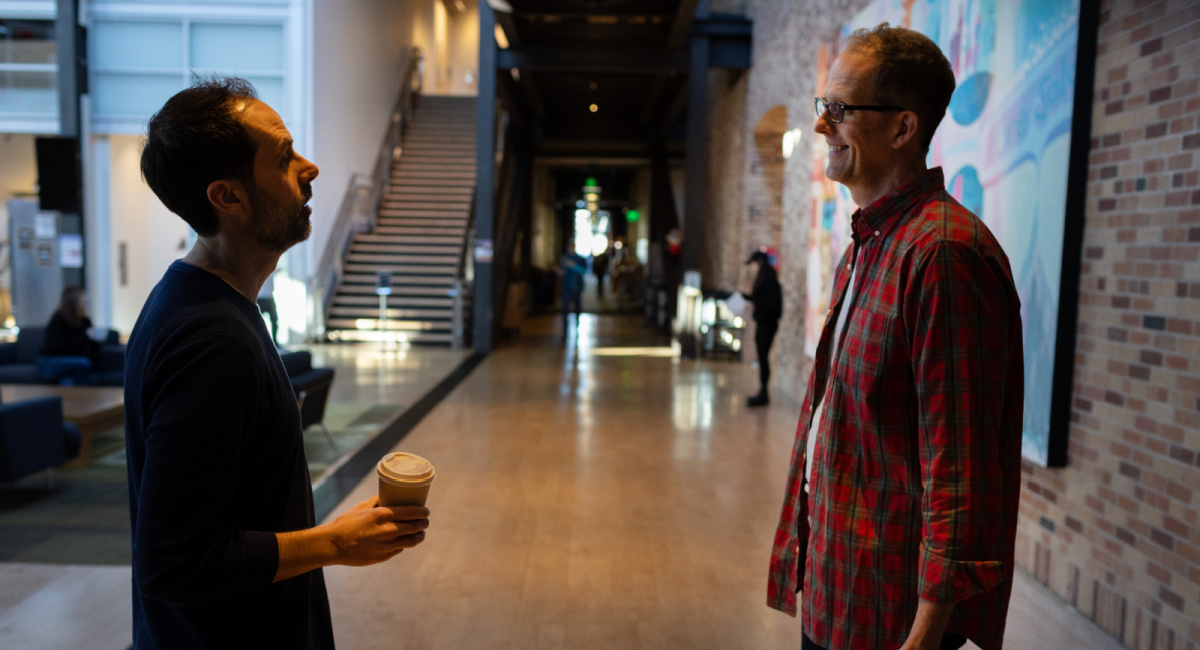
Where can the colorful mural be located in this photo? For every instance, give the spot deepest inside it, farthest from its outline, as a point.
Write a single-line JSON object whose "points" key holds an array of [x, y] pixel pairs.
{"points": [[1004, 147]]}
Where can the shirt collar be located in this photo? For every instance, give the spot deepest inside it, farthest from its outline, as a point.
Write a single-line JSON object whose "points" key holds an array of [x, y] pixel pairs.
{"points": [[884, 212]]}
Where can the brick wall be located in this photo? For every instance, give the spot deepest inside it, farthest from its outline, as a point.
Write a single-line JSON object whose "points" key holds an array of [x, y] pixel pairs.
{"points": [[1116, 532]]}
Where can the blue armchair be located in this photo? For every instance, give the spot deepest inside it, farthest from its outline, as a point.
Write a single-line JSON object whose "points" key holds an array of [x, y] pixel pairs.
{"points": [[33, 437]]}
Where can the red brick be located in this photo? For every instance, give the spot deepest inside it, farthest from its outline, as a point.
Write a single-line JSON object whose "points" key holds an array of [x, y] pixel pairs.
{"points": [[1171, 598], [1179, 326], [1163, 539], [1158, 572], [1179, 493], [1176, 527], [1179, 161], [1158, 95]]}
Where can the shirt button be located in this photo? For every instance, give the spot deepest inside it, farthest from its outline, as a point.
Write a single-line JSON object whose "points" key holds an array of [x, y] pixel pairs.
{"points": [[876, 233]]}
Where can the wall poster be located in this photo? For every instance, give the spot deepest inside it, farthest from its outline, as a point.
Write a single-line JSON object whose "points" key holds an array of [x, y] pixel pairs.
{"points": [[1013, 147]]}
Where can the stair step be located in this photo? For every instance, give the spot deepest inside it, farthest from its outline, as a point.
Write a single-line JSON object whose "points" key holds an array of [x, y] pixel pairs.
{"points": [[424, 172], [455, 194], [404, 165], [434, 262], [448, 270], [399, 290], [434, 144], [400, 302], [392, 313], [416, 222], [360, 246], [445, 208], [412, 184], [439, 155], [419, 240], [393, 325], [461, 192], [421, 230]]}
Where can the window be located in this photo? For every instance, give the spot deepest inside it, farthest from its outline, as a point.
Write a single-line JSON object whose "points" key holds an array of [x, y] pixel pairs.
{"points": [[138, 64], [28, 72]]}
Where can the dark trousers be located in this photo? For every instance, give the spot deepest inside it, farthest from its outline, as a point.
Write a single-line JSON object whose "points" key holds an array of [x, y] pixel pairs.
{"points": [[572, 302], [267, 306], [949, 642], [764, 336]]}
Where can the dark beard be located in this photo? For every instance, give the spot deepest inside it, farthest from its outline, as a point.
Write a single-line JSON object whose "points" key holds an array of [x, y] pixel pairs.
{"points": [[277, 228]]}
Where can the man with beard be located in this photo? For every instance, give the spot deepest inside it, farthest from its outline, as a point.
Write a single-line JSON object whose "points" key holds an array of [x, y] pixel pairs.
{"points": [[226, 552]]}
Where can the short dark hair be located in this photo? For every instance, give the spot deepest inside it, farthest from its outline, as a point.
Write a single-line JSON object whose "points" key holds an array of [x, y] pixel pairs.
{"points": [[910, 71], [195, 139]]}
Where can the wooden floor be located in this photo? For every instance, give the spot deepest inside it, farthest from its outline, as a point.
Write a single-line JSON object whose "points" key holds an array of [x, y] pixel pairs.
{"points": [[598, 494]]}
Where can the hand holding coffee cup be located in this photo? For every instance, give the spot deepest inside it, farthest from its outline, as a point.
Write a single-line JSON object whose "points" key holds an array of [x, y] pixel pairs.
{"points": [[404, 479]]}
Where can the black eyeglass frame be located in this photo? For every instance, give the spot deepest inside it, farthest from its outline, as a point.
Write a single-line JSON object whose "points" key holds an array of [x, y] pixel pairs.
{"points": [[821, 105]]}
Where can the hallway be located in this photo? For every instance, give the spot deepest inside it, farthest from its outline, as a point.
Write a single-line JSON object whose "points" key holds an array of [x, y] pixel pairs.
{"points": [[605, 494]]}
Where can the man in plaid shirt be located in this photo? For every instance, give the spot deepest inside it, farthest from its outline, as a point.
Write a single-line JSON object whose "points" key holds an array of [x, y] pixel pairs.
{"points": [[901, 505]]}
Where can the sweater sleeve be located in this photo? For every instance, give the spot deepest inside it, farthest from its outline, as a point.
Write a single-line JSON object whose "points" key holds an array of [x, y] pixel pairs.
{"points": [[186, 548]]}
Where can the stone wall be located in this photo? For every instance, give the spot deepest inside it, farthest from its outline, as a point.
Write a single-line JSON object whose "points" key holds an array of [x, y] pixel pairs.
{"points": [[1116, 532]]}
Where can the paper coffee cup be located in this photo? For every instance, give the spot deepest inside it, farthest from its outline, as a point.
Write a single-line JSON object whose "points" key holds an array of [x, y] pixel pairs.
{"points": [[404, 479]]}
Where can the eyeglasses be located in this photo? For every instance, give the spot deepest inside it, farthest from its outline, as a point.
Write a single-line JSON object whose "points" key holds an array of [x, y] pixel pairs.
{"points": [[837, 110]]}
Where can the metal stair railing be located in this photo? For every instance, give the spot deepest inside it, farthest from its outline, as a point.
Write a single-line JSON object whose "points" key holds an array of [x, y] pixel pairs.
{"points": [[464, 277], [359, 208]]}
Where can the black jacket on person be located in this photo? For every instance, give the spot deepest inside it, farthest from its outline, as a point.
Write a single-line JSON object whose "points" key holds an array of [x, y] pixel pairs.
{"points": [[767, 295], [64, 340]]}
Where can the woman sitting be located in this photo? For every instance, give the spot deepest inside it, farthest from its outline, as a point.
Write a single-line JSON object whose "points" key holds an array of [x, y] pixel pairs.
{"points": [[69, 351]]}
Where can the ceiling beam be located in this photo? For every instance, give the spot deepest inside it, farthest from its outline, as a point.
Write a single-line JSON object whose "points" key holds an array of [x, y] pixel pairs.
{"points": [[683, 22], [603, 58]]}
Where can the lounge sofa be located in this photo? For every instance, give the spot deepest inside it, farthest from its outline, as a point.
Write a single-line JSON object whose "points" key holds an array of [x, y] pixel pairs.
{"points": [[20, 362], [33, 437]]}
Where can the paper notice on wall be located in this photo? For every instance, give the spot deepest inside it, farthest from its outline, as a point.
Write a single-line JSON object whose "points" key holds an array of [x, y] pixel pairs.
{"points": [[45, 226], [70, 251]]}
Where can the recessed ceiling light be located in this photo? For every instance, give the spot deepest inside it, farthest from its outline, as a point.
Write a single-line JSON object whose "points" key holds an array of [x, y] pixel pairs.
{"points": [[593, 108], [592, 85]]}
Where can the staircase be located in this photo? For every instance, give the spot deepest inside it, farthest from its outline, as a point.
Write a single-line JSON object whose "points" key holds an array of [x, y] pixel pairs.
{"points": [[419, 233]]}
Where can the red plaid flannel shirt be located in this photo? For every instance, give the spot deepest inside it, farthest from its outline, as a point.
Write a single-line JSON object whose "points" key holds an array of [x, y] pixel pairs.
{"points": [[916, 476]]}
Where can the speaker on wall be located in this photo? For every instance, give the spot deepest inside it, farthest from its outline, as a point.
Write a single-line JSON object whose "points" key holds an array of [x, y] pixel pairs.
{"points": [[59, 186]]}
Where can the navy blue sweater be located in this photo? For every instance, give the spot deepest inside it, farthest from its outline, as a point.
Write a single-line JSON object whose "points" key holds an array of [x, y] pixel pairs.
{"points": [[216, 468]]}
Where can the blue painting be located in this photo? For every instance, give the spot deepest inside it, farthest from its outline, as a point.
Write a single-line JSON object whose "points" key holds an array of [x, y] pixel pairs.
{"points": [[1005, 149]]}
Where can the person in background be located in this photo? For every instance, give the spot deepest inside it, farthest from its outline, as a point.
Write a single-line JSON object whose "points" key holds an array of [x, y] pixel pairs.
{"points": [[266, 304], [900, 514], [67, 334], [572, 268], [767, 297], [600, 269], [226, 550]]}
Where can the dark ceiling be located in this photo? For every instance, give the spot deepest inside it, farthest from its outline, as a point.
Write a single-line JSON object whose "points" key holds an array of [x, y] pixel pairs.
{"points": [[626, 57]]}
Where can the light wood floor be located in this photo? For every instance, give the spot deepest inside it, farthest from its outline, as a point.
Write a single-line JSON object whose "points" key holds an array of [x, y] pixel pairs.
{"points": [[598, 496]]}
